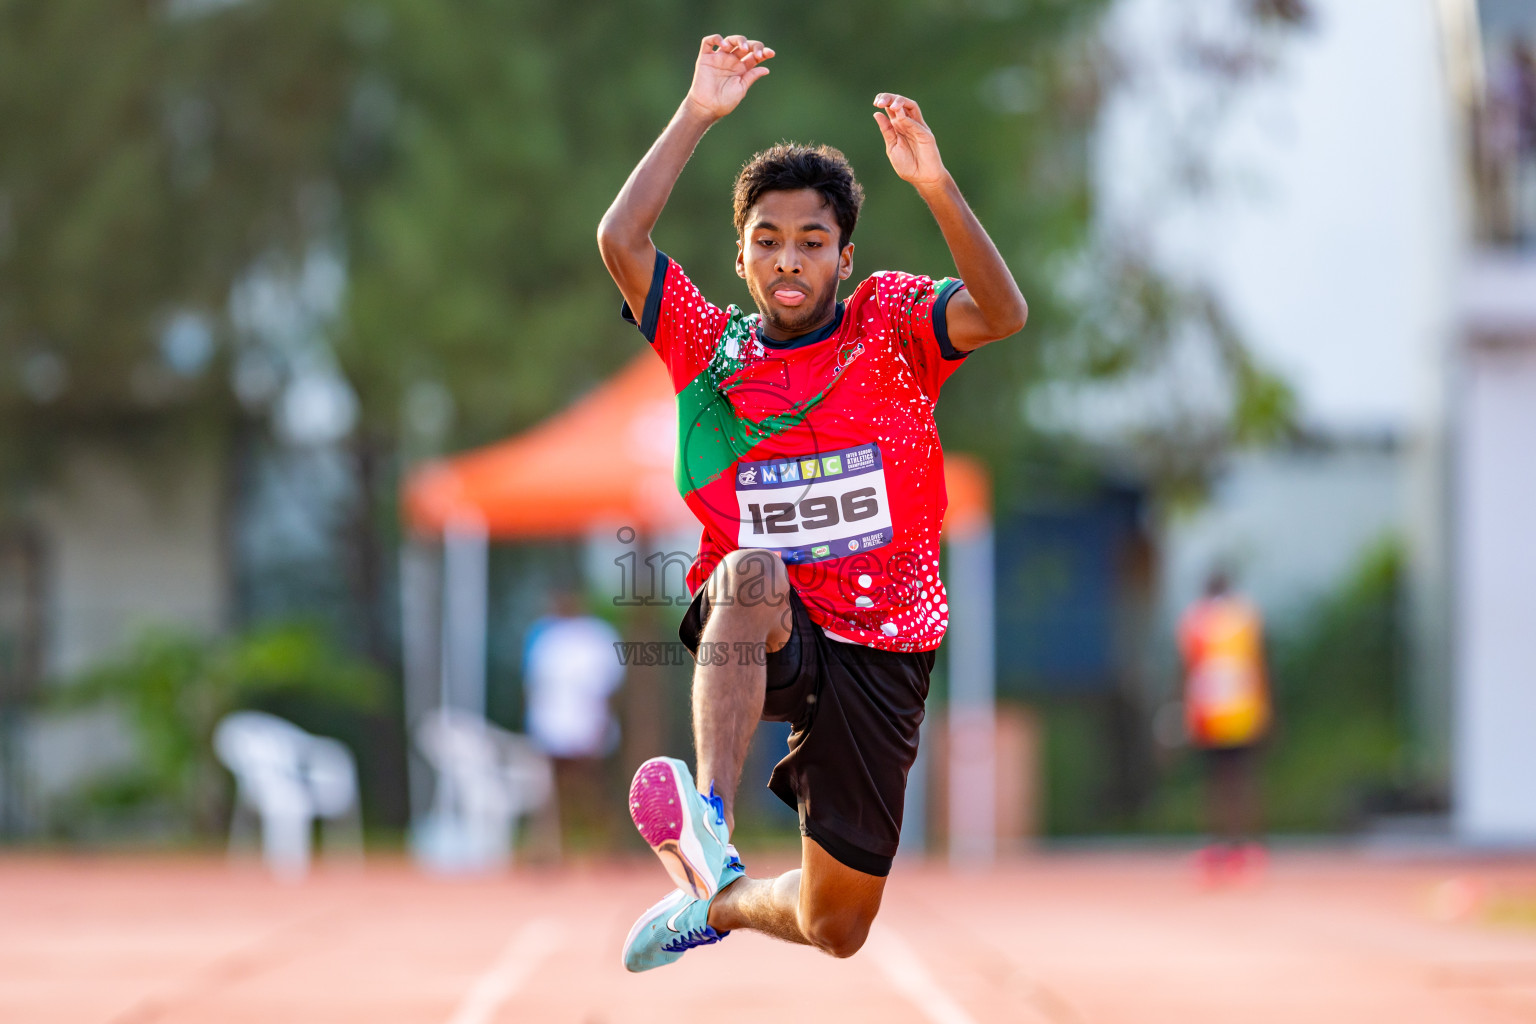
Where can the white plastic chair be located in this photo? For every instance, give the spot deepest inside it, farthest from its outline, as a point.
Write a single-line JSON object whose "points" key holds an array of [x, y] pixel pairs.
{"points": [[487, 778], [289, 778]]}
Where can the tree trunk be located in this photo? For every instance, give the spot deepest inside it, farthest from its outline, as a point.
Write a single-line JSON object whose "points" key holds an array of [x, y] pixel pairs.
{"points": [[384, 755], [22, 609]]}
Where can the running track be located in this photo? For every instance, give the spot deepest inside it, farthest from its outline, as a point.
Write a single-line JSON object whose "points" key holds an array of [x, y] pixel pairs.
{"points": [[1057, 939]]}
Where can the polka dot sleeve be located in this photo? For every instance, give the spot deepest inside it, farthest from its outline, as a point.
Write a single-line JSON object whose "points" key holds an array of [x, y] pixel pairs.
{"points": [[915, 307], [681, 325]]}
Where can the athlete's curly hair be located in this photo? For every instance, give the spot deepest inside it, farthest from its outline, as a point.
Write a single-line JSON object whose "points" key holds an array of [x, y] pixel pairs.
{"points": [[789, 166]]}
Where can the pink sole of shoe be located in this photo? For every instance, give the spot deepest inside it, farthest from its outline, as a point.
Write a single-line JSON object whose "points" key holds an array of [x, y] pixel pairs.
{"points": [[656, 804]]}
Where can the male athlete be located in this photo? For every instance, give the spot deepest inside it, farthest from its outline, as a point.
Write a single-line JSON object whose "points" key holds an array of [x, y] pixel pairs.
{"points": [[807, 448]]}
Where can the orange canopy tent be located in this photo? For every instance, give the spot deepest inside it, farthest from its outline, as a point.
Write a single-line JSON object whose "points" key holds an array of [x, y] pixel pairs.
{"points": [[606, 460]]}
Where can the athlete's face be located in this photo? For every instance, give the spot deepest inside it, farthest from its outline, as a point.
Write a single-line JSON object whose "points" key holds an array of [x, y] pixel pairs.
{"points": [[789, 257]]}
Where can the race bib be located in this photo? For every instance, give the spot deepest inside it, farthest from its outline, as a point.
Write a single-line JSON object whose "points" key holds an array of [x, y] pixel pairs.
{"points": [[813, 507]]}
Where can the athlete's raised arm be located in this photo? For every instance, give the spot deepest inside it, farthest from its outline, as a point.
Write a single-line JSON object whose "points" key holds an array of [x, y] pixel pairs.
{"points": [[726, 68], [990, 306]]}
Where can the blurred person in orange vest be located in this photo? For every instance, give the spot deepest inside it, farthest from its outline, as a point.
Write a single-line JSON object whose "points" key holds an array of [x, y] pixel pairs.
{"points": [[1226, 713]]}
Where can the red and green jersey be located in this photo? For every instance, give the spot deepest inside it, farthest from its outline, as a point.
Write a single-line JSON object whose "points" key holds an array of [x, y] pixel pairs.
{"points": [[822, 449]]}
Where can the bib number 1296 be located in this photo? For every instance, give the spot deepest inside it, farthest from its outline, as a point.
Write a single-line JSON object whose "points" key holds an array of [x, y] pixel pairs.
{"points": [[817, 506], [814, 513]]}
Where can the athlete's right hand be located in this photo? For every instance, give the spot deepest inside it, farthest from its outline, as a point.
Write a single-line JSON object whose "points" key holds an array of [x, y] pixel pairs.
{"points": [[726, 68]]}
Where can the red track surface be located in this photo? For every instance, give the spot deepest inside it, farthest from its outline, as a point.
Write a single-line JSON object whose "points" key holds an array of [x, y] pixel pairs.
{"points": [[1082, 939]]}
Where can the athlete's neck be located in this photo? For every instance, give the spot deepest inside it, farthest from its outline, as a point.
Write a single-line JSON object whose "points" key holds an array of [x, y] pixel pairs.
{"points": [[773, 334]]}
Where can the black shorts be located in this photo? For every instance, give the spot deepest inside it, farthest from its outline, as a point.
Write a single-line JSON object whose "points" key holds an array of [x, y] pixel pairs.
{"points": [[854, 712]]}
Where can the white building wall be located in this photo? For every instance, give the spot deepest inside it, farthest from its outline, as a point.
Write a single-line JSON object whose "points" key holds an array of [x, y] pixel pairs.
{"points": [[130, 543], [1291, 524], [1332, 225], [1495, 623]]}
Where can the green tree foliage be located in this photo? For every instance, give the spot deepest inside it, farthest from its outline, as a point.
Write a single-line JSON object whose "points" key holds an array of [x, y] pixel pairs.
{"points": [[1339, 679], [515, 124], [458, 156], [147, 159]]}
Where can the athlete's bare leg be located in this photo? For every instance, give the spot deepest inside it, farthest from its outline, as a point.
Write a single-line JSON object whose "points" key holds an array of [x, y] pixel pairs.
{"points": [[748, 609], [824, 903]]}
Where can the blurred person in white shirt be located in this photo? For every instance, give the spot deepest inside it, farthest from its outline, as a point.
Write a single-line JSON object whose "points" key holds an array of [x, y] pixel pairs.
{"points": [[571, 670]]}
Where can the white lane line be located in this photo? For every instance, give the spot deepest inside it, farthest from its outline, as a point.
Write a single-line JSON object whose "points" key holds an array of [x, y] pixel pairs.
{"points": [[532, 943], [910, 976]]}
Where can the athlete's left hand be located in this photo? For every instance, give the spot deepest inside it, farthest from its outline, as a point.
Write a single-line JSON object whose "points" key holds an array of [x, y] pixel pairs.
{"points": [[909, 142]]}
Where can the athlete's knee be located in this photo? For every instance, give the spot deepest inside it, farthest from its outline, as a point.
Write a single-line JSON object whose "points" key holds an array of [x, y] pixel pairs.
{"points": [[751, 585], [754, 569], [839, 932]]}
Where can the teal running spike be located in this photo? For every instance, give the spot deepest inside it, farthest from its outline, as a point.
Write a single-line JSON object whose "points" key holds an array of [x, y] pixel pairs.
{"points": [[676, 924]]}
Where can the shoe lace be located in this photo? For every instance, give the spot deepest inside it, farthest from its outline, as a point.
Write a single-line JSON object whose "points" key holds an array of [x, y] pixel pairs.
{"points": [[703, 935], [717, 803]]}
